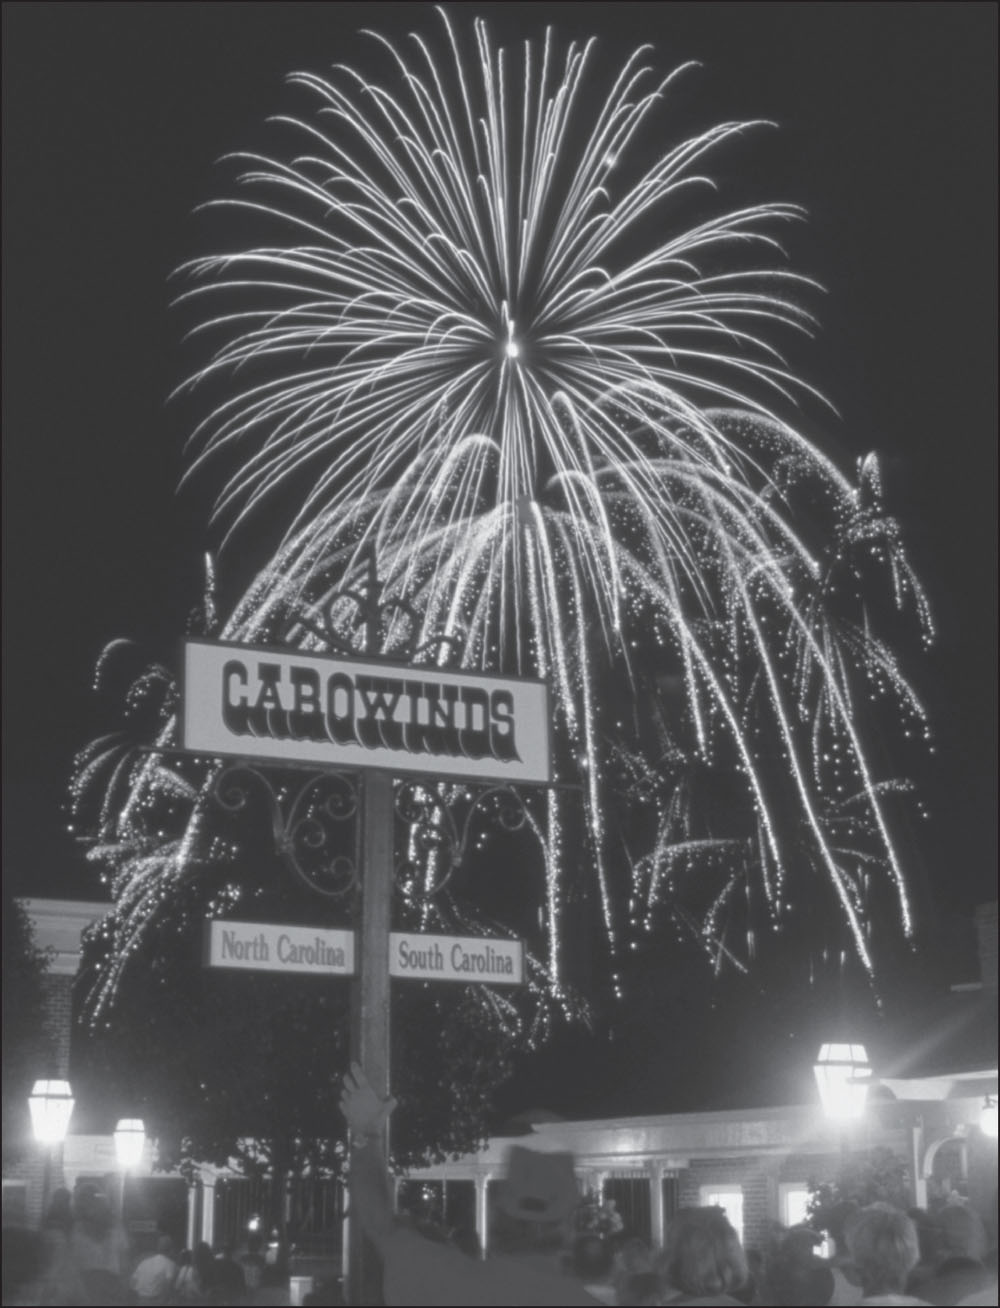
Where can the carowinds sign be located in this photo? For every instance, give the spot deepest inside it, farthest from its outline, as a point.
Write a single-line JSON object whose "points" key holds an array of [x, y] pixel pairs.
{"points": [[291, 707]]}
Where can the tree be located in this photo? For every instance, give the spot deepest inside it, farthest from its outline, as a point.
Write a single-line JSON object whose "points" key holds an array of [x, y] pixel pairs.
{"points": [[27, 1047], [876, 1176], [225, 1068]]}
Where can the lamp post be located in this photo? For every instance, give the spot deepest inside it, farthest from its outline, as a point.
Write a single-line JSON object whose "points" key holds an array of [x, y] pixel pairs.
{"points": [[51, 1106], [843, 1075], [130, 1140]]}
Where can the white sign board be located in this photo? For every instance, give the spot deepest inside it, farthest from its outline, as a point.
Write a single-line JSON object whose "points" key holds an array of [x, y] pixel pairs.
{"points": [[270, 947], [249, 702], [456, 958], [266, 947]]}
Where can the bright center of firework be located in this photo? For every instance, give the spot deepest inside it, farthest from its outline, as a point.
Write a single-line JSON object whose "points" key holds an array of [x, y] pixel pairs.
{"points": [[511, 347]]}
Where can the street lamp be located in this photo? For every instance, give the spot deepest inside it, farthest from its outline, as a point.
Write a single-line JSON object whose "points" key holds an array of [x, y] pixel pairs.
{"points": [[843, 1075], [988, 1117], [130, 1141], [51, 1106]]}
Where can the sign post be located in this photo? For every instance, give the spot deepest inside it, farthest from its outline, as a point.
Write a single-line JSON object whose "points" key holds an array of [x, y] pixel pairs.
{"points": [[370, 1000], [382, 720]]}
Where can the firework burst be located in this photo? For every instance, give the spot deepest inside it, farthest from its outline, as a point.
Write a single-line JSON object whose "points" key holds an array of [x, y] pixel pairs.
{"points": [[486, 339]]}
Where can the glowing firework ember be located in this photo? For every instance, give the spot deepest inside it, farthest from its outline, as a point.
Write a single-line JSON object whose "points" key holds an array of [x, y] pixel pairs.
{"points": [[497, 356]]}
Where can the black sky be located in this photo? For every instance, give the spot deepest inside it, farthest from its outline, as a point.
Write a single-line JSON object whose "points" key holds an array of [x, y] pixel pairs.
{"points": [[114, 118]]}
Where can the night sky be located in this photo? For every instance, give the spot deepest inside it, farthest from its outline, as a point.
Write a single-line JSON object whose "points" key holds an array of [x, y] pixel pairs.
{"points": [[114, 119]]}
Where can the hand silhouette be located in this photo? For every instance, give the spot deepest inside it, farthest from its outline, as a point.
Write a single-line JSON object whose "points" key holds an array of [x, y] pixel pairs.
{"points": [[365, 1112]]}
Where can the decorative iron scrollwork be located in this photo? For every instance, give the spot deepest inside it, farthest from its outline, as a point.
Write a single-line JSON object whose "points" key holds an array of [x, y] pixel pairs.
{"points": [[375, 611], [440, 818], [306, 822]]}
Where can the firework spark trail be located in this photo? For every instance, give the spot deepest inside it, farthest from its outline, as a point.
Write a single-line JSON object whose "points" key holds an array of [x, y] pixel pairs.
{"points": [[387, 305], [493, 376]]}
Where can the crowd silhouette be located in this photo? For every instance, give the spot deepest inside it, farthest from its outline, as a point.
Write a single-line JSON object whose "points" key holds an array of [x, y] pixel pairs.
{"points": [[546, 1247]]}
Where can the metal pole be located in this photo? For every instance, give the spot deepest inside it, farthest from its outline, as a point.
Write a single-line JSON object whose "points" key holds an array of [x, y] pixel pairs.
{"points": [[370, 1006], [46, 1180], [917, 1162]]}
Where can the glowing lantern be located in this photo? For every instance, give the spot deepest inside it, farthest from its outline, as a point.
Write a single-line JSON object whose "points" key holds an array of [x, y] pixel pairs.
{"points": [[988, 1118], [51, 1105], [130, 1140], [843, 1074]]}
